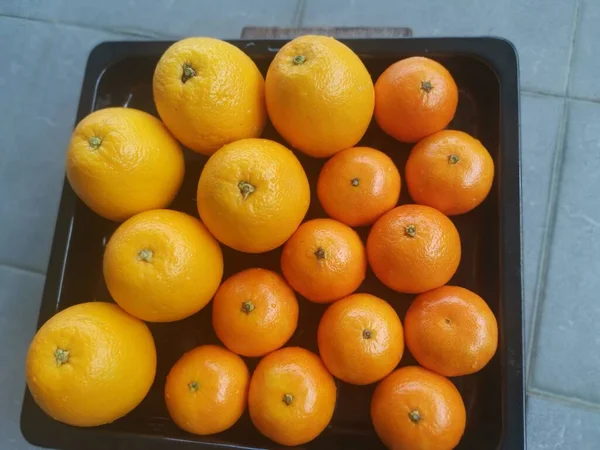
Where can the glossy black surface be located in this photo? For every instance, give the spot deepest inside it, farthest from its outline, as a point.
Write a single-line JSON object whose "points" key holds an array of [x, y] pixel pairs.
{"points": [[485, 70]]}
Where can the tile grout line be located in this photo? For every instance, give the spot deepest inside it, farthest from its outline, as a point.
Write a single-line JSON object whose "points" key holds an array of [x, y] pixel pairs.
{"points": [[298, 16], [550, 219], [550, 223], [22, 269], [565, 400], [140, 34], [572, 46]]}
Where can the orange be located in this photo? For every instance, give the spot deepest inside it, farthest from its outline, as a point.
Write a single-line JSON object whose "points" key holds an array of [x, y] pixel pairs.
{"points": [[413, 249], [360, 339], [292, 396], [209, 93], [415, 97], [319, 95], [162, 265], [253, 194], [450, 171], [90, 364], [415, 409], [255, 312], [206, 390], [451, 331], [122, 161], [324, 260], [358, 185]]}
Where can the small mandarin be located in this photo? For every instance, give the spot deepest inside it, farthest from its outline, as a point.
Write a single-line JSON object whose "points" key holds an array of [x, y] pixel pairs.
{"points": [[206, 390], [358, 185], [451, 330], [324, 260], [255, 312], [413, 249]]}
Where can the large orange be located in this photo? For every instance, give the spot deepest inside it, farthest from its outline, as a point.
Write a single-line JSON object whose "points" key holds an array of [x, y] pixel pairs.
{"points": [[450, 171], [209, 93], [413, 249], [90, 364], [415, 409], [162, 265], [122, 161], [206, 390], [253, 194], [324, 260], [415, 97], [360, 339], [292, 396], [255, 312], [319, 95], [451, 331], [358, 185]]}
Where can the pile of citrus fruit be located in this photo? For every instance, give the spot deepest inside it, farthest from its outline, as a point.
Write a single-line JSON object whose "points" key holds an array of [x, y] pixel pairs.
{"points": [[94, 362]]}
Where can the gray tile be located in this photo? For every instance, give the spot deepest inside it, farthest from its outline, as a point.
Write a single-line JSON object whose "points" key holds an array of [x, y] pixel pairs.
{"points": [[567, 359], [174, 18], [557, 426], [39, 89], [585, 67], [540, 29], [19, 304], [540, 124]]}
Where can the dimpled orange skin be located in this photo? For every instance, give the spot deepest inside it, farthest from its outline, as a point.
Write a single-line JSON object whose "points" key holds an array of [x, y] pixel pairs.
{"points": [[324, 260], [415, 97], [449, 171], [451, 330], [122, 161], [319, 94], [292, 396], [162, 265], [253, 194], [90, 364], [358, 185], [360, 339], [255, 312], [414, 248], [415, 409], [206, 390], [209, 93]]}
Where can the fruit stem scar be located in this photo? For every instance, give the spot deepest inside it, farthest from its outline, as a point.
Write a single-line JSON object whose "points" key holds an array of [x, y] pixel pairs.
{"points": [[426, 86], [145, 255], [247, 307], [246, 189], [367, 334], [61, 356], [453, 159], [415, 416], [188, 72], [95, 142], [411, 230], [193, 386], [448, 321], [355, 181], [320, 253], [298, 59], [288, 399]]}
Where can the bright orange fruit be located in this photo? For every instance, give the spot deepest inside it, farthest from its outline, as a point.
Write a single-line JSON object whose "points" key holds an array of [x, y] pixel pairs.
{"points": [[255, 312], [324, 260], [451, 331], [360, 339], [413, 249], [415, 97], [358, 185]]}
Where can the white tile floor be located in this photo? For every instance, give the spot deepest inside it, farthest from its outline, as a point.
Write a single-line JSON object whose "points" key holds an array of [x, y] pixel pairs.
{"points": [[44, 46]]}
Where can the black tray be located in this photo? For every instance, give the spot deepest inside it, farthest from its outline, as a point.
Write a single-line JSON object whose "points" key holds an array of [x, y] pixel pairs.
{"points": [[485, 69]]}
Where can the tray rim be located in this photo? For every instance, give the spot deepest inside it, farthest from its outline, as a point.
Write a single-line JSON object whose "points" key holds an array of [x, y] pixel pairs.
{"points": [[498, 53]]}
